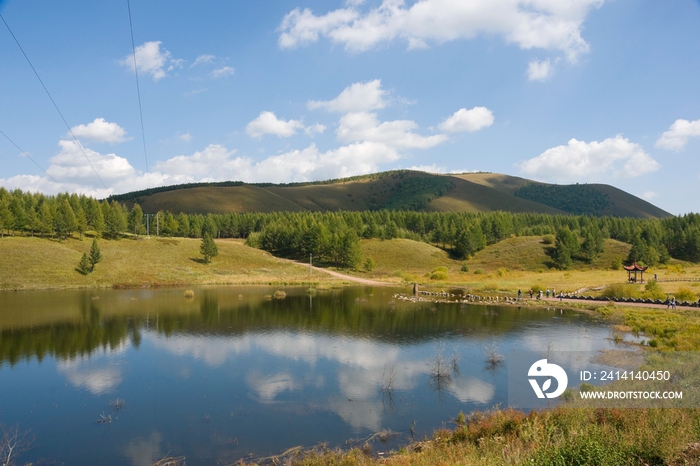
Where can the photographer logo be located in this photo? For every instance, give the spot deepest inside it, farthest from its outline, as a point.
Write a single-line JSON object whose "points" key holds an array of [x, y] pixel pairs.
{"points": [[543, 369]]}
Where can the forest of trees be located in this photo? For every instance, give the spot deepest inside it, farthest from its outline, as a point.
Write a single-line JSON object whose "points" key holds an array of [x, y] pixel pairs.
{"points": [[334, 237]]}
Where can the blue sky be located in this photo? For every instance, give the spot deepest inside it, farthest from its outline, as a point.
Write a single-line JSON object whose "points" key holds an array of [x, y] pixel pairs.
{"points": [[560, 91]]}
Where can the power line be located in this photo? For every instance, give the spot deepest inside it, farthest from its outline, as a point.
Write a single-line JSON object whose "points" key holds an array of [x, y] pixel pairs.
{"points": [[138, 93], [34, 161], [53, 102]]}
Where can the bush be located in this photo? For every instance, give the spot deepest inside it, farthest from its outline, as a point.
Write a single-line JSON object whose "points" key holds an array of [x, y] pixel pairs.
{"points": [[652, 290], [464, 268], [253, 240], [479, 272], [536, 289], [548, 239], [619, 290], [502, 272], [369, 264], [439, 273], [686, 294], [616, 264]]}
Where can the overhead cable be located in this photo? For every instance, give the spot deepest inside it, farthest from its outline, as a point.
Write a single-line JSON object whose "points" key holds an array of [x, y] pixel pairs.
{"points": [[53, 102], [138, 93], [34, 161]]}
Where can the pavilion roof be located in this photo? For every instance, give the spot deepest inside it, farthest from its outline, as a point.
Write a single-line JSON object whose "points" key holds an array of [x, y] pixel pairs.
{"points": [[635, 266]]}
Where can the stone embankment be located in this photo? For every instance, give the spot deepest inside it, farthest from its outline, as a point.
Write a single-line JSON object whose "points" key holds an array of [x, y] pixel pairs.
{"points": [[445, 297]]}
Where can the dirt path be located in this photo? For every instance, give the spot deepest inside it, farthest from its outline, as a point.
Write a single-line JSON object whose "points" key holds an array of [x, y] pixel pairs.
{"points": [[656, 306], [342, 276]]}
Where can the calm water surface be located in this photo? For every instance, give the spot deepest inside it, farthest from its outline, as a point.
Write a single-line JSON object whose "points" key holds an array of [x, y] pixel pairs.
{"points": [[232, 372]]}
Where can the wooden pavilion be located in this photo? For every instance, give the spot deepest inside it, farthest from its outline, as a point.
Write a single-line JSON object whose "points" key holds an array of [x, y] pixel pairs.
{"points": [[632, 271]]}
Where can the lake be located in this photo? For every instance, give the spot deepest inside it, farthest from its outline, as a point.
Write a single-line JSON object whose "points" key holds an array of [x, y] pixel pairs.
{"points": [[116, 377]]}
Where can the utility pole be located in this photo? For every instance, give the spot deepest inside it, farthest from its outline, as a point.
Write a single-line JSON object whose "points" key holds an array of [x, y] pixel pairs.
{"points": [[148, 225]]}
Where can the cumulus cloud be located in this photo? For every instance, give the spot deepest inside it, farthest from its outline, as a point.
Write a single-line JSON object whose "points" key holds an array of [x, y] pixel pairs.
{"points": [[582, 161], [540, 70], [358, 97], [678, 134], [224, 72], [268, 123], [100, 130], [543, 24], [467, 120], [151, 59], [364, 126]]}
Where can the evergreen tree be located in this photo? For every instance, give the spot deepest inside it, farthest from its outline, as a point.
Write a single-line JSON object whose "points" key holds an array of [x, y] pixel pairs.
{"points": [[6, 217], [208, 248], [95, 255], [46, 215], [80, 220], [64, 221], [115, 220], [567, 246], [136, 221], [84, 265]]}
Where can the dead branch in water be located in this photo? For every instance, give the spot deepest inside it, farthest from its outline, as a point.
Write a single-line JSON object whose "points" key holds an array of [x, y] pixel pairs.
{"points": [[13, 442]]}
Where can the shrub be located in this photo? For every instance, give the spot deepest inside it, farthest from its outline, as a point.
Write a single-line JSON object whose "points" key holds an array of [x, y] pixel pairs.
{"points": [[686, 294], [464, 268], [369, 264], [652, 290], [439, 273], [537, 288], [548, 239], [502, 272], [616, 264], [479, 272], [619, 290]]}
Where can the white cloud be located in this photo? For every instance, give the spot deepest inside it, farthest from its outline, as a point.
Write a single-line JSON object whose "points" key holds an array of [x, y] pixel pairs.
{"points": [[203, 60], [187, 137], [678, 134], [224, 72], [150, 59], [358, 97], [649, 195], [268, 387], [363, 126], [468, 120], [429, 168], [582, 161], [540, 70], [314, 129], [100, 130], [268, 123], [543, 24]]}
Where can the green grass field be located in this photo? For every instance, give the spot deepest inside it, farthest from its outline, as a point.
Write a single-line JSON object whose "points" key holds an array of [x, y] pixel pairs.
{"points": [[35, 263]]}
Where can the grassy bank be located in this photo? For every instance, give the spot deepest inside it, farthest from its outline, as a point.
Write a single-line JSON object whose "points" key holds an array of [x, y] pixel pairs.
{"points": [[34, 263], [502, 268]]}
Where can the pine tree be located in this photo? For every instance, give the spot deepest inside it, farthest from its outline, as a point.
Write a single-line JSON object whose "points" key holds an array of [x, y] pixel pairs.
{"points": [[95, 255], [84, 265], [208, 248]]}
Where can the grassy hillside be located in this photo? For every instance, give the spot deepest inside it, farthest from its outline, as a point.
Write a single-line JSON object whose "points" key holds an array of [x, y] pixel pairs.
{"points": [[619, 203], [402, 189], [34, 263]]}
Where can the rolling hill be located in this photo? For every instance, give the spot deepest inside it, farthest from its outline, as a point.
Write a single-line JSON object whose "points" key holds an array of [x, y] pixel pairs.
{"points": [[396, 190]]}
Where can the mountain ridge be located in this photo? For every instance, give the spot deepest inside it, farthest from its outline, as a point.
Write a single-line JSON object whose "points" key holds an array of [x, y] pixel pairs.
{"points": [[398, 190]]}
